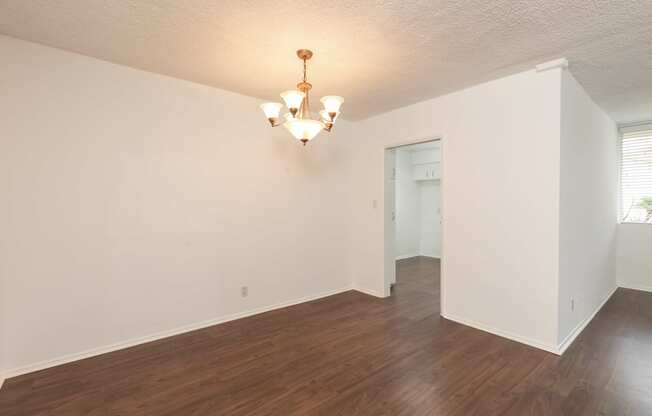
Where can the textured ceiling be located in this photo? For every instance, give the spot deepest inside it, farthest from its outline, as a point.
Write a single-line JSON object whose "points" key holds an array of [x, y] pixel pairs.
{"points": [[379, 55]]}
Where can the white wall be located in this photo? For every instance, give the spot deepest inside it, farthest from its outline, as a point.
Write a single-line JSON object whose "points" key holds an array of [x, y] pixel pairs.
{"points": [[429, 204], [408, 224], [134, 204], [635, 256], [418, 230], [500, 152], [588, 208], [4, 298], [429, 216]]}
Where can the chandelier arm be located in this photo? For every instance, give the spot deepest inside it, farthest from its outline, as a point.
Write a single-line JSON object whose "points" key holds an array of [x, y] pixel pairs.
{"points": [[328, 127]]}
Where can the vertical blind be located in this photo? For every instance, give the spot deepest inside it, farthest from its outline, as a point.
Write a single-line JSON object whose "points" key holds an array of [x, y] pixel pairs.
{"points": [[636, 176]]}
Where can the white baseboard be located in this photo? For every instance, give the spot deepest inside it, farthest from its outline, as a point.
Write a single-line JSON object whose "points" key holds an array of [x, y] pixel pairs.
{"points": [[430, 256], [635, 287], [501, 333], [406, 256], [159, 335], [187, 328], [580, 327], [369, 292], [555, 349]]}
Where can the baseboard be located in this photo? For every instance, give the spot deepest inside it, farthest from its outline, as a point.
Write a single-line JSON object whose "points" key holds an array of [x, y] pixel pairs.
{"points": [[407, 256], [430, 257], [369, 292], [2, 381], [580, 327], [160, 335], [501, 333], [635, 287]]}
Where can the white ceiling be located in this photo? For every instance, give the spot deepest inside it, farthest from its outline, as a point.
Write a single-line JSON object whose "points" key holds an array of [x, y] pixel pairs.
{"points": [[379, 54]]}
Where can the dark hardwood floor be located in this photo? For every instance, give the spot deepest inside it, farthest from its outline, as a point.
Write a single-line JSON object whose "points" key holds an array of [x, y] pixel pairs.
{"points": [[352, 354]]}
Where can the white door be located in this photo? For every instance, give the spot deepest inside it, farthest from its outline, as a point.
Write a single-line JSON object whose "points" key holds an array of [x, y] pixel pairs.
{"points": [[390, 218]]}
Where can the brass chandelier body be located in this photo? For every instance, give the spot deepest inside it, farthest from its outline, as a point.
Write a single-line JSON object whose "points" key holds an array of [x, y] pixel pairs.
{"points": [[298, 120]]}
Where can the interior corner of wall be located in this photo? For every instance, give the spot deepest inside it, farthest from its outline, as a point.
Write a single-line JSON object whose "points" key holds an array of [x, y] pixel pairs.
{"points": [[369, 291]]}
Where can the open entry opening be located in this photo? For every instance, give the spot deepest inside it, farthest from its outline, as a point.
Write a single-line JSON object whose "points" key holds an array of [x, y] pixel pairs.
{"points": [[413, 218]]}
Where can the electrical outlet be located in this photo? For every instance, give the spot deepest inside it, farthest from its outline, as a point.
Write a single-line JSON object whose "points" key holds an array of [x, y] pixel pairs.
{"points": [[244, 291], [572, 304]]}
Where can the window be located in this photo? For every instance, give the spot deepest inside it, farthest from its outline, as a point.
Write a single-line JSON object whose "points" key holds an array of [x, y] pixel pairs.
{"points": [[636, 175]]}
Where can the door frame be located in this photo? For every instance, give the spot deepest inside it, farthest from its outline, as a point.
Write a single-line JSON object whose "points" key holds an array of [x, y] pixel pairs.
{"points": [[388, 212]]}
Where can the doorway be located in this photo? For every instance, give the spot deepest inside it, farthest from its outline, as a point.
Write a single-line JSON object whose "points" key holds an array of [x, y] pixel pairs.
{"points": [[413, 225]]}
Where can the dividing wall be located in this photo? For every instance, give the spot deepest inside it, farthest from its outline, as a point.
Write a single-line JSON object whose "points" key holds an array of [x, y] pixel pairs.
{"points": [[500, 154], [588, 209], [529, 198]]}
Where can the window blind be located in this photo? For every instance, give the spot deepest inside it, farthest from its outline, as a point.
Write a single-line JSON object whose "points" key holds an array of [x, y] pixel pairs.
{"points": [[636, 176]]}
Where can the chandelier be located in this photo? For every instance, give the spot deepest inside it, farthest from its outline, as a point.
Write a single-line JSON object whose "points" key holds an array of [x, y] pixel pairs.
{"points": [[299, 120]]}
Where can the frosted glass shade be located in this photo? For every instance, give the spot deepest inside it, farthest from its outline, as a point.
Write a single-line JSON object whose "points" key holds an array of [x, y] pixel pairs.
{"points": [[271, 110], [293, 98], [303, 129], [332, 103], [327, 117]]}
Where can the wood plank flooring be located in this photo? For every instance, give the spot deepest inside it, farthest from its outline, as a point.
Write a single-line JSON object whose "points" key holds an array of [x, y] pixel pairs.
{"points": [[352, 354]]}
